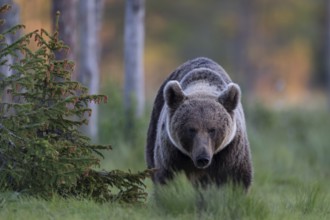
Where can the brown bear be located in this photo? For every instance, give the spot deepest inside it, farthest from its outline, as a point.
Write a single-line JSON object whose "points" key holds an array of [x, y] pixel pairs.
{"points": [[197, 127]]}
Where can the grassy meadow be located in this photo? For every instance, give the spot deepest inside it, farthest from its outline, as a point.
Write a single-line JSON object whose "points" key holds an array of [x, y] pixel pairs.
{"points": [[291, 157]]}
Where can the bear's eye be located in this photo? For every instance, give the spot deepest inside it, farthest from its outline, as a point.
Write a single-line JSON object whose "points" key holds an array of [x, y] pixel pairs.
{"points": [[211, 131], [192, 131]]}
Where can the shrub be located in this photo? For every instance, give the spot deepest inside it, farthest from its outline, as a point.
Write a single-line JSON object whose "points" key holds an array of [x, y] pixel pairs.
{"points": [[42, 150]]}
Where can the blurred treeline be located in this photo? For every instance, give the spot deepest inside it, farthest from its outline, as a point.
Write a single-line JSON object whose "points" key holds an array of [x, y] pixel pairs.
{"points": [[276, 50]]}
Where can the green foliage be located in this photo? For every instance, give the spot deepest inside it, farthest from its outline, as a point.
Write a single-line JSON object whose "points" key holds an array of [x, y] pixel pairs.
{"points": [[128, 145], [96, 185], [42, 150], [211, 203], [287, 183]]}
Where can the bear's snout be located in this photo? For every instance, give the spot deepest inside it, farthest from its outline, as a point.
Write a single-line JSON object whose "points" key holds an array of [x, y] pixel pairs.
{"points": [[201, 152], [202, 161]]}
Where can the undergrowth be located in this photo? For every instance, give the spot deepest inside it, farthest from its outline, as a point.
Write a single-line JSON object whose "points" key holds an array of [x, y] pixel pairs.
{"points": [[42, 150]]}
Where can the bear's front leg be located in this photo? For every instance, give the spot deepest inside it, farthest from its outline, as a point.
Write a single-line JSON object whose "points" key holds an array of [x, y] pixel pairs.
{"points": [[162, 176]]}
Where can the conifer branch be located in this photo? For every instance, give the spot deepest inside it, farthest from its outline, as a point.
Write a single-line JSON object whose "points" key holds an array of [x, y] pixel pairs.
{"points": [[42, 151]]}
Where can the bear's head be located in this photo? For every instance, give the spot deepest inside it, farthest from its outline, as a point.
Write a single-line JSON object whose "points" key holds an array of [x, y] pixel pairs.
{"points": [[201, 124]]}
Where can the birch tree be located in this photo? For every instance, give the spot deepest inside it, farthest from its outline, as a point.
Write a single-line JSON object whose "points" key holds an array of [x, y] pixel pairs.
{"points": [[88, 66], [133, 57], [243, 40], [67, 27], [11, 18], [327, 50]]}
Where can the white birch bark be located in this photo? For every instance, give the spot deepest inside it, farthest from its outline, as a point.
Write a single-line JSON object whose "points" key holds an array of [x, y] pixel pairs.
{"points": [[327, 51], [134, 96], [67, 28], [88, 66], [12, 18]]}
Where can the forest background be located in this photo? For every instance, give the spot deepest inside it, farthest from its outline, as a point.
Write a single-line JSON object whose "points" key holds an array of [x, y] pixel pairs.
{"points": [[275, 50], [279, 53]]}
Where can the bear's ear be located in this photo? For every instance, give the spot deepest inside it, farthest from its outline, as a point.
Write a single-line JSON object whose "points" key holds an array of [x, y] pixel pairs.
{"points": [[173, 94], [230, 97]]}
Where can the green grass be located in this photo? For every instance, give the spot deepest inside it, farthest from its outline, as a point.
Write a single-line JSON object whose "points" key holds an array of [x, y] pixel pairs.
{"points": [[290, 151]]}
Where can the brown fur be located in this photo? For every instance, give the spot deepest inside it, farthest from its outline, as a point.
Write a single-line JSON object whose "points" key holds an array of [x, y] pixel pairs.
{"points": [[201, 116]]}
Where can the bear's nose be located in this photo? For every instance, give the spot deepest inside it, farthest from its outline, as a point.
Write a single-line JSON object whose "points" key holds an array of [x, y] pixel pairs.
{"points": [[202, 161]]}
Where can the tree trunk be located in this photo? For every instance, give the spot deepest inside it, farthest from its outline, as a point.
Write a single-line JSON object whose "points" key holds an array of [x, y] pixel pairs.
{"points": [[134, 43], [242, 44], [12, 18], [67, 27], [327, 51], [88, 66]]}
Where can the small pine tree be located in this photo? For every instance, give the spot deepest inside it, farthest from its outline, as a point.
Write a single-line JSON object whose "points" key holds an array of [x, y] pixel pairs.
{"points": [[42, 151]]}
